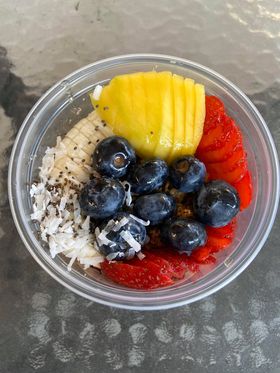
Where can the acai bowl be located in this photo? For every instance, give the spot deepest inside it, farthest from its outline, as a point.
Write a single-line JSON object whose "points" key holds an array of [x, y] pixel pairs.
{"points": [[68, 102]]}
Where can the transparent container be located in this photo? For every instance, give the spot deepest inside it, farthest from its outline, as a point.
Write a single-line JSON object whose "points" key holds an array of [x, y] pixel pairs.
{"points": [[66, 103]]}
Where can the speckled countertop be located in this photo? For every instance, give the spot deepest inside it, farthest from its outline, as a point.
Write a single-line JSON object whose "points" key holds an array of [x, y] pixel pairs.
{"points": [[46, 328]]}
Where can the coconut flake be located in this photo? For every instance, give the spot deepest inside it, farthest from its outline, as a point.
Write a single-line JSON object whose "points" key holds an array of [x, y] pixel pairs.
{"points": [[69, 266], [103, 240], [140, 255], [97, 92], [143, 222], [130, 254], [37, 215], [128, 196], [112, 256], [63, 202], [57, 209], [91, 261], [37, 189], [53, 247], [53, 225], [127, 236], [86, 224], [120, 224], [66, 228]]}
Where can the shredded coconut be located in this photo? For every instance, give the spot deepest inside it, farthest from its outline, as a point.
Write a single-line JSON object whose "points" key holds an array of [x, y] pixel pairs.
{"points": [[115, 226], [57, 210], [127, 236], [128, 196], [97, 92], [103, 240], [143, 222], [112, 256], [120, 224], [140, 255]]}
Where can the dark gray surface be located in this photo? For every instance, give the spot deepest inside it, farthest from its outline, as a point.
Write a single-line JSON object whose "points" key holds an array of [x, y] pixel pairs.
{"points": [[44, 327]]}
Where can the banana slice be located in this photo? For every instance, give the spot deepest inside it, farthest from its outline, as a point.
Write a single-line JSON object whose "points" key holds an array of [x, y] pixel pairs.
{"points": [[67, 168], [75, 151], [76, 148]]}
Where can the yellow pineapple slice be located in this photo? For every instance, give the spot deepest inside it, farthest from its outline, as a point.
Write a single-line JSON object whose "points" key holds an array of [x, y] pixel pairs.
{"points": [[160, 114], [126, 111], [199, 114], [153, 113], [188, 147], [141, 142], [105, 105], [179, 117], [122, 104], [166, 129]]}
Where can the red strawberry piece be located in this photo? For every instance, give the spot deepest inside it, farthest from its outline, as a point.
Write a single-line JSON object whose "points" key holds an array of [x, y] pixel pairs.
{"points": [[180, 263], [217, 239], [221, 149], [148, 277], [218, 243], [164, 266], [220, 170], [215, 137], [210, 136], [226, 231], [202, 255], [233, 158], [213, 106], [214, 112], [245, 190], [230, 170], [176, 262]]}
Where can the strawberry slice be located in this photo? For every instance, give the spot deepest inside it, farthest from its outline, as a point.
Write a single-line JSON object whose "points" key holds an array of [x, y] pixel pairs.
{"points": [[225, 232], [232, 169], [164, 266], [220, 238], [221, 149], [232, 159], [217, 239], [214, 133], [218, 243], [180, 263], [231, 175], [202, 255], [145, 278], [224, 147], [214, 106], [245, 190], [214, 111]]}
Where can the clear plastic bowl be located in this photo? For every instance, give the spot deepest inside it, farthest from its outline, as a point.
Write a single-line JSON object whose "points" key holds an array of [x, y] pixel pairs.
{"points": [[66, 103]]}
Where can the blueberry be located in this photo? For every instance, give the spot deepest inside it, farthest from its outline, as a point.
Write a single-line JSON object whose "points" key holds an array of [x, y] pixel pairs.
{"points": [[113, 156], [116, 246], [102, 197], [148, 176], [184, 234], [154, 207], [216, 204], [187, 174]]}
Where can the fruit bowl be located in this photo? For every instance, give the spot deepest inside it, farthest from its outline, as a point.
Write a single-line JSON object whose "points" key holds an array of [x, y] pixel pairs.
{"points": [[66, 103]]}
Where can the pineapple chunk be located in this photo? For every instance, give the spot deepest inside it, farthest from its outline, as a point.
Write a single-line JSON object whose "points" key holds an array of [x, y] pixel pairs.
{"points": [[160, 114], [153, 113], [166, 129], [179, 117], [105, 105], [188, 147], [141, 142], [199, 114]]}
